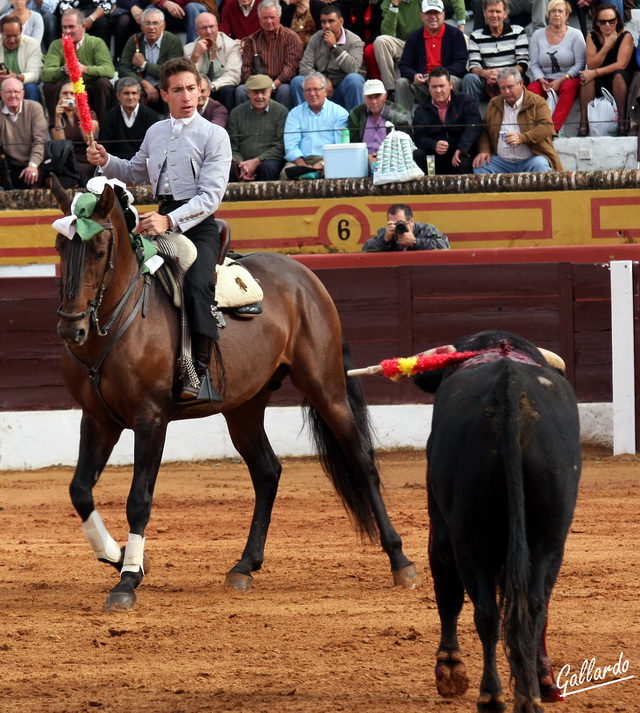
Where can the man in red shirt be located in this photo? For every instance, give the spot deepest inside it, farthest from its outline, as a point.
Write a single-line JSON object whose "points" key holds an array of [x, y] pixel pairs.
{"points": [[435, 45], [239, 18]]}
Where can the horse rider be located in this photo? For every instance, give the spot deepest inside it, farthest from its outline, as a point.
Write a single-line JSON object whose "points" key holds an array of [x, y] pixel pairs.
{"points": [[186, 159]]}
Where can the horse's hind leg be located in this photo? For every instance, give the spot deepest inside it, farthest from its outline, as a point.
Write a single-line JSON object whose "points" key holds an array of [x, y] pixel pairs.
{"points": [[96, 444], [246, 428], [150, 435], [338, 419]]}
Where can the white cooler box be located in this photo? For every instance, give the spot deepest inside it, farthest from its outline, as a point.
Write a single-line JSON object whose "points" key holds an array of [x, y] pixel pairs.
{"points": [[345, 161]]}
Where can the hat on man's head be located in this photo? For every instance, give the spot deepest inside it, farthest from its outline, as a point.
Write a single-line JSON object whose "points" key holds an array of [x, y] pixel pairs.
{"points": [[430, 5], [373, 86], [259, 81]]}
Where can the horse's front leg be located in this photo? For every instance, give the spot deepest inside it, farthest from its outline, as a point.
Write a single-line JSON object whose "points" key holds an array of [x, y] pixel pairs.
{"points": [[149, 444], [96, 444]]}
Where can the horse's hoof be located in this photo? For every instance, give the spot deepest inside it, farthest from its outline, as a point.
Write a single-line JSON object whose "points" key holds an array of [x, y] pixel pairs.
{"points": [[451, 679], [119, 601], [407, 577], [238, 582]]}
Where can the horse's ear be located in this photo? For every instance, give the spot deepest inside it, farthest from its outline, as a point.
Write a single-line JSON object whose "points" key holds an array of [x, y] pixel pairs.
{"points": [[106, 201], [61, 195]]}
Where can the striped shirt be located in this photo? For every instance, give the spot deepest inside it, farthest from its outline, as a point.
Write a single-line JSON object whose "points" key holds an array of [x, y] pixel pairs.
{"points": [[489, 52], [279, 57]]}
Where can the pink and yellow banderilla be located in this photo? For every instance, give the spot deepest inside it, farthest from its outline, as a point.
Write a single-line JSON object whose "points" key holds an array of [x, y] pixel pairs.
{"points": [[82, 100], [403, 367]]}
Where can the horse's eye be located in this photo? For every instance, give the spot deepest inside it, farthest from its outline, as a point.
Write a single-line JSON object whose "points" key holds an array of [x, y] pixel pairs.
{"points": [[100, 255]]}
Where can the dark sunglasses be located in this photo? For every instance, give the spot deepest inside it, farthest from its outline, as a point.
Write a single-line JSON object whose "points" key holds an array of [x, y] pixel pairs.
{"points": [[613, 21]]}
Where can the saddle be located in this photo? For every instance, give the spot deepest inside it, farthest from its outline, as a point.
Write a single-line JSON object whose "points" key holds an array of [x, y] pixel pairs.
{"points": [[235, 286]]}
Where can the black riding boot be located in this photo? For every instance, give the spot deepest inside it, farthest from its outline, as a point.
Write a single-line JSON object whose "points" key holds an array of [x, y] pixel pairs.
{"points": [[206, 393]]}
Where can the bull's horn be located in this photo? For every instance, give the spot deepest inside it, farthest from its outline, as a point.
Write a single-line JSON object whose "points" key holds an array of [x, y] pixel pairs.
{"points": [[446, 349], [553, 360]]}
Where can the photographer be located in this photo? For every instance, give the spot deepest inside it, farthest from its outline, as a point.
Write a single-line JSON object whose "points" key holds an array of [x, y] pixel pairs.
{"points": [[66, 125], [403, 233]]}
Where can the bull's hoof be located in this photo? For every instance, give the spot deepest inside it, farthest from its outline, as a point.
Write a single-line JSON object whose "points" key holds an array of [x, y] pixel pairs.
{"points": [[550, 694], [522, 703], [237, 582], [119, 601], [491, 703], [451, 678], [407, 577]]}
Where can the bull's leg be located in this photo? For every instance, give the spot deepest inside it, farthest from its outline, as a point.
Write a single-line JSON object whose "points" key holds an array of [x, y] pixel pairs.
{"points": [[96, 444], [451, 673], [246, 428], [482, 592], [545, 569], [150, 436]]}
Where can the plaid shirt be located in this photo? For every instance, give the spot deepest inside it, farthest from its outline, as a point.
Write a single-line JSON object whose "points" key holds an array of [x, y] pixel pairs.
{"points": [[279, 57]]}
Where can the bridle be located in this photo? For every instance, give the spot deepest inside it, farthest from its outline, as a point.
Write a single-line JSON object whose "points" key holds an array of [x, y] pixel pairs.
{"points": [[94, 304], [93, 371]]}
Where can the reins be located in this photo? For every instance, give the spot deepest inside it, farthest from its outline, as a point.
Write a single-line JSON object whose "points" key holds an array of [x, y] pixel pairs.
{"points": [[93, 371]]}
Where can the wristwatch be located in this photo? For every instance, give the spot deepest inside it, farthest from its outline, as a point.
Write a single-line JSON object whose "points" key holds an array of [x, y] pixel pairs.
{"points": [[334, 46]]}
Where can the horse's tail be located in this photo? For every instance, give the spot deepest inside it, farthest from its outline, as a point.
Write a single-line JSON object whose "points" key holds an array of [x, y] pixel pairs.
{"points": [[518, 631], [349, 476]]}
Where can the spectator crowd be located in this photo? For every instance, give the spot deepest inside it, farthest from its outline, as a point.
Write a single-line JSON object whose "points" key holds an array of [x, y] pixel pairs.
{"points": [[286, 77]]}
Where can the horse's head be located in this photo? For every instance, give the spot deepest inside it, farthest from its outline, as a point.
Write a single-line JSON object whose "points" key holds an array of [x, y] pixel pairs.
{"points": [[86, 257]]}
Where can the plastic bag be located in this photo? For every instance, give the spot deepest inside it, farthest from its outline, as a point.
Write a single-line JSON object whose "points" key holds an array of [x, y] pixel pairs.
{"points": [[602, 114], [552, 100], [395, 160]]}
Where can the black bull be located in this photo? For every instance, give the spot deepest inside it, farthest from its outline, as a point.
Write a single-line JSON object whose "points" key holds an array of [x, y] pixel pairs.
{"points": [[503, 469]]}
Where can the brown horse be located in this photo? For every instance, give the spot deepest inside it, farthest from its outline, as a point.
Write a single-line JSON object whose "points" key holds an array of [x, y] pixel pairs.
{"points": [[122, 344]]}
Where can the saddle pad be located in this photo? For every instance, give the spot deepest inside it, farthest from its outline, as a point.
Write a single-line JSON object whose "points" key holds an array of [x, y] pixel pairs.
{"points": [[235, 286], [179, 247]]}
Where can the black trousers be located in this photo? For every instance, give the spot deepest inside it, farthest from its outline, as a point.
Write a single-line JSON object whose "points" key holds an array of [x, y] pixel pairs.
{"points": [[200, 280]]}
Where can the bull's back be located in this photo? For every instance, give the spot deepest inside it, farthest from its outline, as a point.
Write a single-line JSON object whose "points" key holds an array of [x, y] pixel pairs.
{"points": [[485, 418]]}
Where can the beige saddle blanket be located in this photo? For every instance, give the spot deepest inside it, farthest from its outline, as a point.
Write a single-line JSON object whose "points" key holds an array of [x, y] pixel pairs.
{"points": [[235, 285]]}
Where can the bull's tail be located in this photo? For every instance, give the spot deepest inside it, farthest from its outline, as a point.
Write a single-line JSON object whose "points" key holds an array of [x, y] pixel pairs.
{"points": [[518, 629], [350, 476]]}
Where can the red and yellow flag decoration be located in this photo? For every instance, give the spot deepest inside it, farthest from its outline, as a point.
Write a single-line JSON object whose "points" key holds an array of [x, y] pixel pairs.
{"points": [[75, 75], [408, 366]]}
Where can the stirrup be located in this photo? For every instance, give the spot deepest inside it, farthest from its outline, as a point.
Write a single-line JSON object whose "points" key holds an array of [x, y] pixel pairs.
{"points": [[203, 394], [250, 310]]}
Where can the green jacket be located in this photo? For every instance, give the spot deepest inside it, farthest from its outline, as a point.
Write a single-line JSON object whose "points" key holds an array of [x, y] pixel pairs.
{"points": [[94, 53], [397, 115], [400, 22], [170, 48]]}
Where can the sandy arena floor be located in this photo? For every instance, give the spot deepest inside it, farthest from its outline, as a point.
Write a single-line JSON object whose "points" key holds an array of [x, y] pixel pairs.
{"points": [[323, 630]]}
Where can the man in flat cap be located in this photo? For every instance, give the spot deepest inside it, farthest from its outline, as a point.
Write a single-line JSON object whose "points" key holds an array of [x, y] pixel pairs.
{"points": [[256, 128]]}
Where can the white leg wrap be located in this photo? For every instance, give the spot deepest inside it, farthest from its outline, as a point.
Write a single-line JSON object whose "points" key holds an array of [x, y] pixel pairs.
{"points": [[103, 545], [134, 554]]}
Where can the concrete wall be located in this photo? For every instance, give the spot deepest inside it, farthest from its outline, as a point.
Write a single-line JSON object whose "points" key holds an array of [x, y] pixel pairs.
{"points": [[43, 439], [601, 153]]}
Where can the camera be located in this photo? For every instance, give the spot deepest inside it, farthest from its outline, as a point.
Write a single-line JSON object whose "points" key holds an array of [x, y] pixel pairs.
{"points": [[69, 102], [3, 68], [401, 227]]}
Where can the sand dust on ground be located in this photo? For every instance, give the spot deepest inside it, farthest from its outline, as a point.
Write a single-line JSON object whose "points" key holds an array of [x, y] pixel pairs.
{"points": [[323, 629]]}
